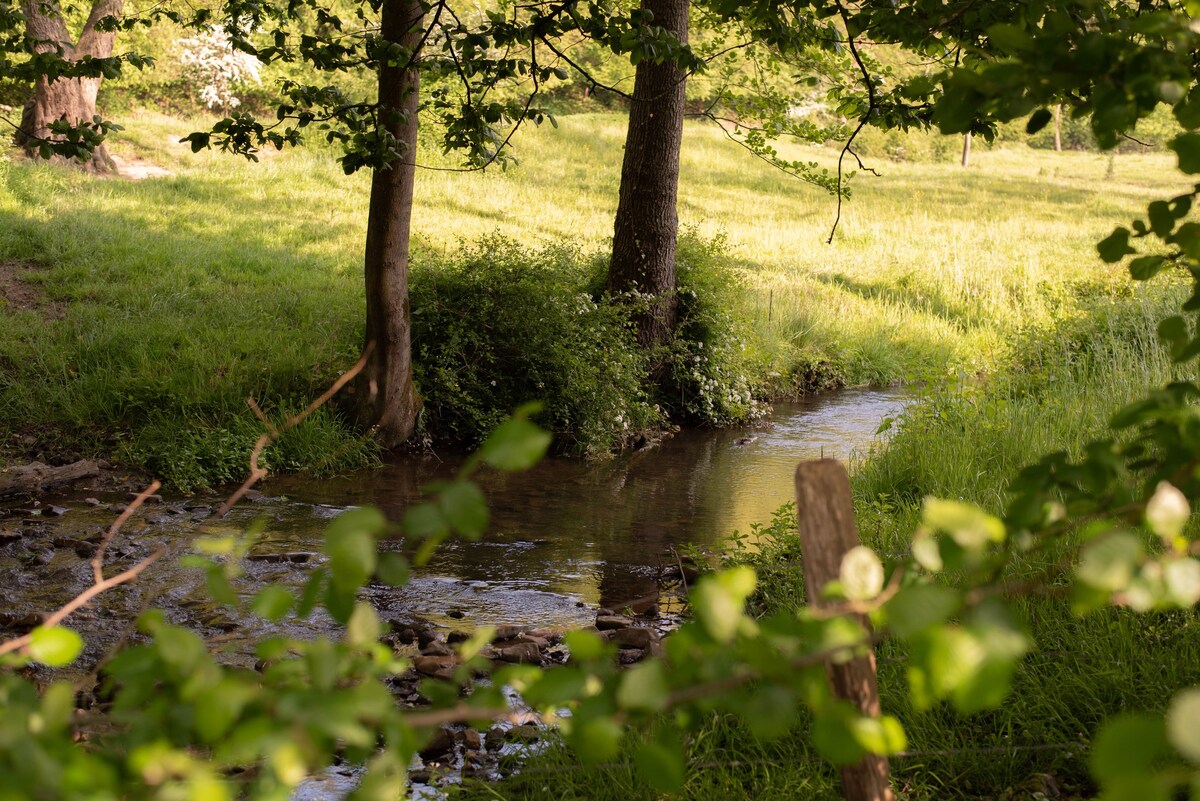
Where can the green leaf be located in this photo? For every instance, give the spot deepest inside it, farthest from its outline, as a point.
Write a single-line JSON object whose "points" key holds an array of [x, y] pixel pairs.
{"points": [[769, 710], [425, 520], [350, 545], [1162, 221], [221, 709], [597, 740], [662, 763], [1038, 120], [464, 506], [833, 734], [556, 687], [1143, 268], [643, 687], [55, 646], [516, 444], [1115, 246], [941, 659], [1187, 147], [1128, 746], [861, 574], [883, 736], [363, 628], [392, 569], [919, 606], [967, 525], [717, 609], [585, 646], [58, 706], [1109, 563], [272, 602], [1183, 723]]}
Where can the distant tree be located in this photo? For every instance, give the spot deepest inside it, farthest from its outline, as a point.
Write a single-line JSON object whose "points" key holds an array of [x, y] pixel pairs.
{"points": [[66, 75]]}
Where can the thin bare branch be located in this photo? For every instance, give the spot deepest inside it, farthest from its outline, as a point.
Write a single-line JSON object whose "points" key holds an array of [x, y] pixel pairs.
{"points": [[134, 505]]}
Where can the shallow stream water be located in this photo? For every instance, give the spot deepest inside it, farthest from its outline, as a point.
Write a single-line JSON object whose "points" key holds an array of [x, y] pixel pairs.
{"points": [[565, 538]]}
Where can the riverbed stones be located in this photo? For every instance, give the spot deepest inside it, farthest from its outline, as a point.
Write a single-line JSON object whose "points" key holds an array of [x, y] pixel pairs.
{"points": [[472, 740], [636, 637], [520, 652], [441, 746], [438, 667], [629, 656], [437, 648], [611, 622], [523, 734]]}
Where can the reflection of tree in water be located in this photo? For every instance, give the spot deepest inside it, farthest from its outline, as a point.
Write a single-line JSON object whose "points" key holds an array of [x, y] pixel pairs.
{"points": [[661, 496], [597, 531]]}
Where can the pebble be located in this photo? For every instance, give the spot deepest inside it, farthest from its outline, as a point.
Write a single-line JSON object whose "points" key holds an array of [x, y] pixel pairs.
{"points": [[439, 667], [521, 652], [610, 622], [634, 637], [437, 648], [441, 745]]}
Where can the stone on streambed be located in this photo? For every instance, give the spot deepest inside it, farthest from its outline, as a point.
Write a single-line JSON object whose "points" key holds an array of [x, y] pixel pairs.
{"points": [[439, 667], [610, 622], [441, 746], [636, 637], [521, 652]]}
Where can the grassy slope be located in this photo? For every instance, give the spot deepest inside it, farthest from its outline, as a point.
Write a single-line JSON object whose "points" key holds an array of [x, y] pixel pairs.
{"points": [[184, 295]]}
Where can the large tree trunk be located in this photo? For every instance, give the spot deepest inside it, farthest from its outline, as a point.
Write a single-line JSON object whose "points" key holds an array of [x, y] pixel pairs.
{"points": [[72, 99], [388, 397], [647, 223]]}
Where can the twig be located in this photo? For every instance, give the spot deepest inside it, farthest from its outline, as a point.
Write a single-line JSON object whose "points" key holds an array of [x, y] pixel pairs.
{"points": [[98, 559], [82, 600], [258, 473], [871, 106]]}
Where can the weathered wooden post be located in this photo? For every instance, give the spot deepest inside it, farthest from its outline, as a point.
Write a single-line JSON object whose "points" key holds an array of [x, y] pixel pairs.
{"points": [[825, 513]]}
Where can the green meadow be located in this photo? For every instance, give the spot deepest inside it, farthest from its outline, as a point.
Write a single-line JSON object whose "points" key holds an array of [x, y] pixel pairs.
{"points": [[155, 307]]}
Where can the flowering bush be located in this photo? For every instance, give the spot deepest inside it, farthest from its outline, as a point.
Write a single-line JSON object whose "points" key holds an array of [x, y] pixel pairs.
{"points": [[217, 68]]}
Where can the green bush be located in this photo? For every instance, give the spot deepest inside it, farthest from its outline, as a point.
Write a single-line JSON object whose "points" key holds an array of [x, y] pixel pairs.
{"points": [[713, 377], [498, 325]]}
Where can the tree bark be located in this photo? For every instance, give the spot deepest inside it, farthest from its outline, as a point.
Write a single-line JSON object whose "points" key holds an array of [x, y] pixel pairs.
{"points": [[72, 99], [647, 222], [389, 398]]}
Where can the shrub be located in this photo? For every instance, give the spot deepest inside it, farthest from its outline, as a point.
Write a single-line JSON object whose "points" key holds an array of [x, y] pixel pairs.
{"points": [[713, 379], [498, 325]]}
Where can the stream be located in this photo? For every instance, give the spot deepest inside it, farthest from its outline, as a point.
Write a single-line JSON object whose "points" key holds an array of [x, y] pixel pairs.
{"points": [[566, 538]]}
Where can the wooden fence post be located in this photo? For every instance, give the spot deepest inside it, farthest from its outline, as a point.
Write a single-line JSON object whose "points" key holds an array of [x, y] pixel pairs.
{"points": [[825, 515]]}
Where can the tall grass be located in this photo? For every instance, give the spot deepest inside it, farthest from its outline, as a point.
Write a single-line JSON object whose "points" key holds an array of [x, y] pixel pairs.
{"points": [[184, 295]]}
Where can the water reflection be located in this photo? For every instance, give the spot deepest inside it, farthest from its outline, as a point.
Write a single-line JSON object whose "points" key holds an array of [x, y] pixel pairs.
{"points": [[568, 535]]}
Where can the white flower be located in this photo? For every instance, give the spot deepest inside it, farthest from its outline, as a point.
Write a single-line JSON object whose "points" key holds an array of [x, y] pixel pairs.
{"points": [[1167, 512]]}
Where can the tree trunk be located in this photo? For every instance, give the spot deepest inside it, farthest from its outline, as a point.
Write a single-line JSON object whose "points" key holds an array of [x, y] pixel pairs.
{"points": [[1058, 128], [647, 222], [389, 398], [72, 99], [966, 154]]}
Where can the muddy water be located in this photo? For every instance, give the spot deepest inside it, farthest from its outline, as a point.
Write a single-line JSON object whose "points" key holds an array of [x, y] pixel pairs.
{"points": [[565, 538]]}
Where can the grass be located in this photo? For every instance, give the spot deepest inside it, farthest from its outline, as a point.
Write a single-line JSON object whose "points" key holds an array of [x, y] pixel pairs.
{"points": [[968, 442], [181, 296]]}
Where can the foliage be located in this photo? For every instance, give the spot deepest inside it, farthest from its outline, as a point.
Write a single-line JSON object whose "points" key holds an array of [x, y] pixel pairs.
{"points": [[498, 325], [711, 379]]}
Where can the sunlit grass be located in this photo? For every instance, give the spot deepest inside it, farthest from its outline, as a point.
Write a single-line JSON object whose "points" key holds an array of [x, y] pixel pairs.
{"points": [[186, 294]]}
